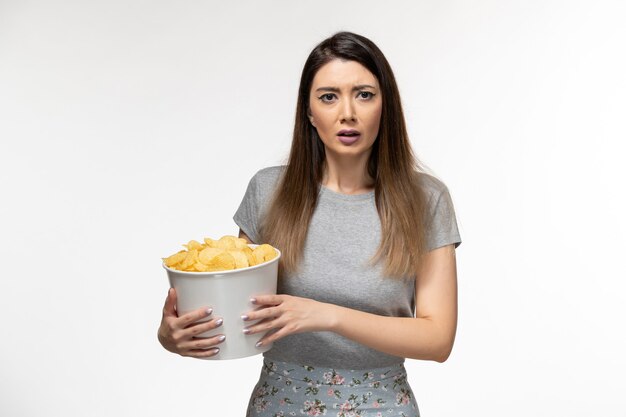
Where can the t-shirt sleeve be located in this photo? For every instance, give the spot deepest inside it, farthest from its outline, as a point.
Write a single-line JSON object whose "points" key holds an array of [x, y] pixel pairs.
{"points": [[247, 215], [443, 229]]}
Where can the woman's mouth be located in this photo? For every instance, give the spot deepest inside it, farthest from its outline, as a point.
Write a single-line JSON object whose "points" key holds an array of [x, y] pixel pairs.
{"points": [[348, 140], [348, 137]]}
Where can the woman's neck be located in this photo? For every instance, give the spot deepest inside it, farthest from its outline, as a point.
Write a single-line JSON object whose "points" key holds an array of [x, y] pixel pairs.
{"points": [[347, 175]]}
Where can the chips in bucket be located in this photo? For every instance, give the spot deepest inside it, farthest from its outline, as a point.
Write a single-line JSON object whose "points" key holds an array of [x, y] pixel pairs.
{"points": [[227, 253]]}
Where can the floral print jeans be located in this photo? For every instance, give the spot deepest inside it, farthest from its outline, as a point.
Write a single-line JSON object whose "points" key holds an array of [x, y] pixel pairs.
{"points": [[286, 389]]}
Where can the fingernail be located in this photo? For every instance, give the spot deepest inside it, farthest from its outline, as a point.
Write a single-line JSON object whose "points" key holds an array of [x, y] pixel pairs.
{"points": [[209, 310], [244, 317], [219, 322], [258, 344], [246, 330], [221, 338], [253, 300], [216, 350]]}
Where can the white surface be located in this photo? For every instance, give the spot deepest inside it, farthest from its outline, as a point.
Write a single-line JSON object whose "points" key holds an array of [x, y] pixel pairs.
{"points": [[129, 127]]}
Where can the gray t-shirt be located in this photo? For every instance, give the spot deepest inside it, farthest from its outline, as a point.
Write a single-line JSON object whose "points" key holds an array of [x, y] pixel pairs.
{"points": [[343, 235]]}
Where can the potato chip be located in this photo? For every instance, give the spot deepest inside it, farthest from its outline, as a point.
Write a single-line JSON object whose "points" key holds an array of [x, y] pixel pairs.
{"points": [[227, 253], [241, 260], [270, 252], [249, 254], [190, 259], [200, 267], [193, 244], [241, 243], [264, 253], [227, 242], [208, 253], [175, 258], [222, 262], [258, 257], [210, 242]]}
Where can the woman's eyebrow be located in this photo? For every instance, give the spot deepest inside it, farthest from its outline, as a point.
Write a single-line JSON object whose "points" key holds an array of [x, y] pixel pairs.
{"points": [[336, 90]]}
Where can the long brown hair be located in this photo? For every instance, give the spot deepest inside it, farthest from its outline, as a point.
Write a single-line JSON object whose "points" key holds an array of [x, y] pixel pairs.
{"points": [[400, 199]]}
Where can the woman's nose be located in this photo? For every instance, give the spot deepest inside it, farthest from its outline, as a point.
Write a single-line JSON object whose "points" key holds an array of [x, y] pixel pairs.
{"points": [[347, 110]]}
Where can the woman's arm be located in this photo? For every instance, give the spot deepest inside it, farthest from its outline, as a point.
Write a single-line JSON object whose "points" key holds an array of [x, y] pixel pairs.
{"points": [[428, 336]]}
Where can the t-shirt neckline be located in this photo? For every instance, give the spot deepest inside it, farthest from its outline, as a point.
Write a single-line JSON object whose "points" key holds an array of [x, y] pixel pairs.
{"points": [[327, 192]]}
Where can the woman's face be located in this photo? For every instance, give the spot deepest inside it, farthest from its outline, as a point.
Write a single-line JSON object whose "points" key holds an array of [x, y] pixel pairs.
{"points": [[345, 96]]}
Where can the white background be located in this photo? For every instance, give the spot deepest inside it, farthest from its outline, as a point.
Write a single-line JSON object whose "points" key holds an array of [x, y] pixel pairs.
{"points": [[129, 127]]}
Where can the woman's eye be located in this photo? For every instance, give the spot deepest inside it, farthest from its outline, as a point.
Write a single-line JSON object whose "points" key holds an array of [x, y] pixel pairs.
{"points": [[366, 95]]}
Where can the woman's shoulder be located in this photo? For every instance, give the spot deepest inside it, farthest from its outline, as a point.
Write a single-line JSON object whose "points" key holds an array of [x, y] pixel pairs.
{"points": [[433, 187], [270, 172], [269, 175], [266, 179]]}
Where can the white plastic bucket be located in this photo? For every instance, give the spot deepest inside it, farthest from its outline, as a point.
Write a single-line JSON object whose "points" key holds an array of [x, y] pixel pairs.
{"points": [[228, 293]]}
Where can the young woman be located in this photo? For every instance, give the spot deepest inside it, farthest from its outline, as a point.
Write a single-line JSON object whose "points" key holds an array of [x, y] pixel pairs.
{"points": [[368, 272]]}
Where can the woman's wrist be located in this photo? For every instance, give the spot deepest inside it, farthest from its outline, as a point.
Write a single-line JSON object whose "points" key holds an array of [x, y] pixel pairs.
{"points": [[333, 314]]}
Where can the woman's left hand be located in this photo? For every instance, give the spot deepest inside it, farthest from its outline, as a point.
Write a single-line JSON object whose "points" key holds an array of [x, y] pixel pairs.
{"points": [[288, 315]]}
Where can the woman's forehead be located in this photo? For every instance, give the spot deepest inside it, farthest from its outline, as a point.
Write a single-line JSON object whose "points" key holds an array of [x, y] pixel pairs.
{"points": [[342, 74]]}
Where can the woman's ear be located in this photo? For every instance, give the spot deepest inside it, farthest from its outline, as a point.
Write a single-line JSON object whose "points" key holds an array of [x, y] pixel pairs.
{"points": [[311, 118]]}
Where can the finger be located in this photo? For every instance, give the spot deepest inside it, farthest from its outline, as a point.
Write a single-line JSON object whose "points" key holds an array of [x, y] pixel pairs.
{"points": [[199, 328], [202, 353], [272, 337], [198, 314], [169, 309], [272, 299], [261, 313], [202, 343], [263, 325]]}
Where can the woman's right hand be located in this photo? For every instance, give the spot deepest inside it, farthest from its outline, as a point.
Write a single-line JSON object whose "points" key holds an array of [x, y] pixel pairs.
{"points": [[178, 334]]}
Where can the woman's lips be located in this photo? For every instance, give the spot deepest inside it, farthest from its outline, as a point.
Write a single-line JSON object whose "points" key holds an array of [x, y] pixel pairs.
{"points": [[348, 140]]}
